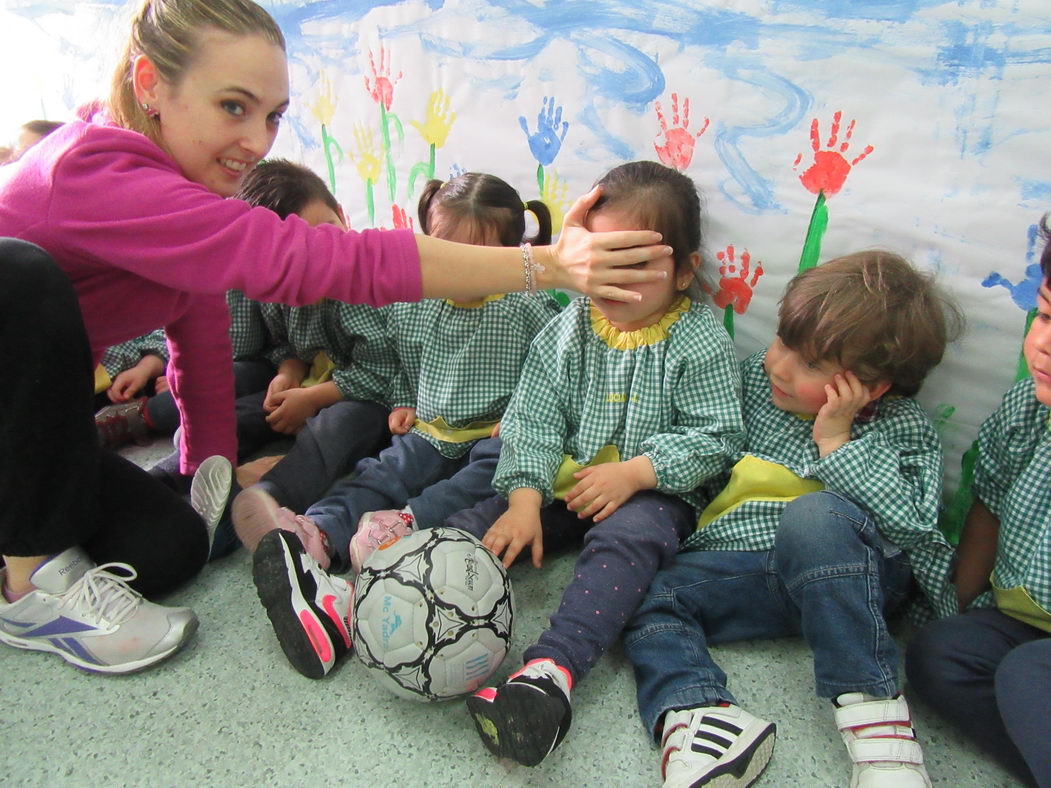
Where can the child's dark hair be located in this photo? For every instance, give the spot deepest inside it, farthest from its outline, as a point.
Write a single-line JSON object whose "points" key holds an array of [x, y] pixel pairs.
{"points": [[873, 313], [660, 199], [1045, 258], [491, 207], [285, 188], [41, 127]]}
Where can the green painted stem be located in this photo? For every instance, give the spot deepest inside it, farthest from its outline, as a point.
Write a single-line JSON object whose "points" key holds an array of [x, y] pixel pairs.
{"points": [[728, 320], [388, 158], [815, 232], [370, 201], [540, 177], [328, 143], [430, 170]]}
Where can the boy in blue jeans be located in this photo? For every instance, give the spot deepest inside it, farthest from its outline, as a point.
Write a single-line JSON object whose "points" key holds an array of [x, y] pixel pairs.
{"points": [[988, 670], [819, 530]]}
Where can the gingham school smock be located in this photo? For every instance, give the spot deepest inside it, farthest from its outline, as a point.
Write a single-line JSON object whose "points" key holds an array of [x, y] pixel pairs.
{"points": [[670, 391], [1011, 477], [355, 340], [118, 358], [249, 335], [891, 467], [297, 331], [460, 364]]}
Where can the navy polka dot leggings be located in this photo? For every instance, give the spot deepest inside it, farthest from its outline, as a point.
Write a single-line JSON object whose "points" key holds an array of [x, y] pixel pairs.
{"points": [[619, 558]]}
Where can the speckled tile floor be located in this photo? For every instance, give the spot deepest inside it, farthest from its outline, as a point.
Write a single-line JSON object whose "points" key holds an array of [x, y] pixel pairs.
{"points": [[229, 710]]}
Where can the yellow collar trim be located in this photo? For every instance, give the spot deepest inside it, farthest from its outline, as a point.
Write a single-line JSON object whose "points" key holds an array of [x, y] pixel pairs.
{"points": [[647, 335], [474, 304]]}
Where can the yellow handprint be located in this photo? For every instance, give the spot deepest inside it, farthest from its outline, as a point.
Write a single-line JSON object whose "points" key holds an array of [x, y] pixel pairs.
{"points": [[435, 127], [555, 195], [324, 108], [366, 157]]}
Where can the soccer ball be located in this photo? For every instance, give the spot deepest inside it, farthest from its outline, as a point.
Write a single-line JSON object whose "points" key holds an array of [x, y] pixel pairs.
{"points": [[432, 614]]}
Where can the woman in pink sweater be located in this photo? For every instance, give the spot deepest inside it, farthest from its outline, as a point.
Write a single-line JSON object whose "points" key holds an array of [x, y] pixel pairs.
{"points": [[126, 208]]}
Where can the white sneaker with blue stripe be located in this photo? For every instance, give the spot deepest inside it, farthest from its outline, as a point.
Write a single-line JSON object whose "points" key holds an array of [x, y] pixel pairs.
{"points": [[89, 616]]}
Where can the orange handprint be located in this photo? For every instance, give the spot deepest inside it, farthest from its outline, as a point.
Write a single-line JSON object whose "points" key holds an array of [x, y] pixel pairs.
{"points": [[381, 86], [735, 288], [677, 150], [830, 168]]}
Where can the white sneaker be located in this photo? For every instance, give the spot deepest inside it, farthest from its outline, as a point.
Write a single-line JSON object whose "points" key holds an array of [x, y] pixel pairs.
{"points": [[881, 741], [210, 490], [91, 618], [716, 746]]}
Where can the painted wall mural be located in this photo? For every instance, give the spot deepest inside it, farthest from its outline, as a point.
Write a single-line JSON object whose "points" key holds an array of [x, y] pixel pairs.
{"points": [[813, 127]]}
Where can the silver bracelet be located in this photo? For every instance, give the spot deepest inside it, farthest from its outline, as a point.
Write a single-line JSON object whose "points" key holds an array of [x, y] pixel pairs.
{"points": [[530, 268]]}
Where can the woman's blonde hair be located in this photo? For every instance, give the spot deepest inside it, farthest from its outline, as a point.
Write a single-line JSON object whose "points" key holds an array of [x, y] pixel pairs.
{"points": [[168, 32]]}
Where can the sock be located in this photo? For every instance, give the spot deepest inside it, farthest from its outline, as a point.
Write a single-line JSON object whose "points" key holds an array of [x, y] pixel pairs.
{"points": [[14, 596]]}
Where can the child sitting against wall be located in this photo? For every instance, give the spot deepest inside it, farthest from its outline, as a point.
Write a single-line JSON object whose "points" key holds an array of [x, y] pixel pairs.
{"points": [[988, 669], [459, 363], [820, 528], [622, 411]]}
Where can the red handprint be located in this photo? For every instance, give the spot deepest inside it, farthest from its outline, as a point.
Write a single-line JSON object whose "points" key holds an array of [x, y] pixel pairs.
{"points": [[401, 220], [677, 150], [830, 168], [381, 86], [735, 289]]}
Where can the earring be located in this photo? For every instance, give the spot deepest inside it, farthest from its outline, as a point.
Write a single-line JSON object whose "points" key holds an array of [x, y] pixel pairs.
{"points": [[150, 111]]}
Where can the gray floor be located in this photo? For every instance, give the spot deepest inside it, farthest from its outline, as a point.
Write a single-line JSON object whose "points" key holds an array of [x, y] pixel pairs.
{"points": [[230, 711]]}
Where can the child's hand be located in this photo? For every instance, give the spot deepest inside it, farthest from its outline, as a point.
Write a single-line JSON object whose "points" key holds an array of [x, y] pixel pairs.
{"points": [[131, 381], [281, 383], [160, 384], [127, 384], [496, 430], [517, 529], [846, 396], [603, 488], [292, 409], [401, 420]]}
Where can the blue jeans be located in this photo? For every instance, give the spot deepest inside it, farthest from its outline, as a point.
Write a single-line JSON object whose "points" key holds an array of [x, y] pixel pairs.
{"points": [[990, 675], [409, 473], [830, 577], [619, 558]]}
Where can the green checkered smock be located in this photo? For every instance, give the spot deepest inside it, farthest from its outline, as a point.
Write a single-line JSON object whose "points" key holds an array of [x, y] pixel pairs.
{"points": [[126, 355], [248, 332], [356, 341], [1011, 478], [891, 467], [297, 331], [460, 364], [672, 395]]}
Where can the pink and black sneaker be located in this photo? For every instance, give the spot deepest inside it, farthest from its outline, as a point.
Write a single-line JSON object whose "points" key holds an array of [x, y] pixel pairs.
{"points": [[310, 610], [527, 716]]}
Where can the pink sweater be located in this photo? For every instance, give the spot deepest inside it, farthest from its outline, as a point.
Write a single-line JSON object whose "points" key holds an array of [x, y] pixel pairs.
{"points": [[144, 247]]}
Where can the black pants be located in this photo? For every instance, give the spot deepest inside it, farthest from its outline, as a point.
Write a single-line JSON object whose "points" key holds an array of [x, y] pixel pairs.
{"points": [[58, 488]]}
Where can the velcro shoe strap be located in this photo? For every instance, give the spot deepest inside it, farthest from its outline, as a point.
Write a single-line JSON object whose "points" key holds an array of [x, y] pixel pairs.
{"points": [[885, 749], [891, 711]]}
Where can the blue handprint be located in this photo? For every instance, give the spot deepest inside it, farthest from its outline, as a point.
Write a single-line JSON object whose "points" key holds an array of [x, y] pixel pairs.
{"points": [[547, 141], [1023, 293]]}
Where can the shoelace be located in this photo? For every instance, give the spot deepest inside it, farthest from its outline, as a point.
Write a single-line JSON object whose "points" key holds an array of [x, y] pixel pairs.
{"points": [[104, 596]]}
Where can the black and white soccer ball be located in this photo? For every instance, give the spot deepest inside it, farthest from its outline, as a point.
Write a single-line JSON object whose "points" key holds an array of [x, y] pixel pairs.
{"points": [[433, 614]]}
